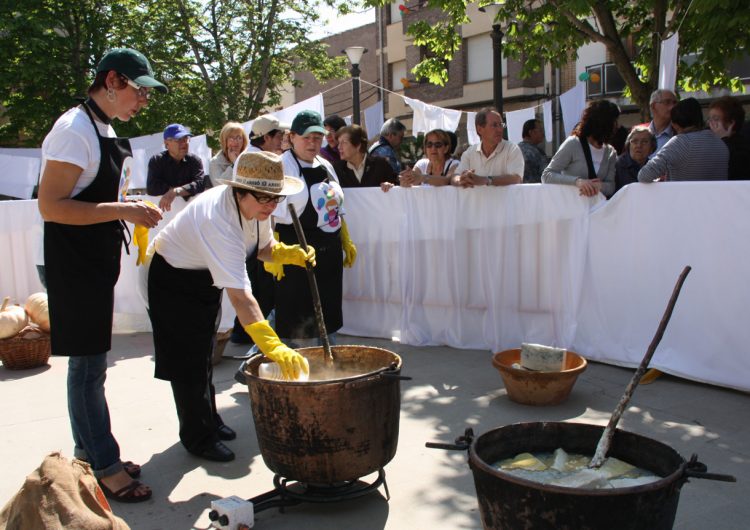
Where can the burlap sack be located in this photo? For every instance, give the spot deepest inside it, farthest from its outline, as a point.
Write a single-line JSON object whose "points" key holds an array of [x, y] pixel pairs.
{"points": [[60, 495]]}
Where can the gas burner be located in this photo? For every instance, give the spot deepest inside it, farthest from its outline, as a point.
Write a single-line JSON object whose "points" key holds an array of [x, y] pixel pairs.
{"points": [[288, 492]]}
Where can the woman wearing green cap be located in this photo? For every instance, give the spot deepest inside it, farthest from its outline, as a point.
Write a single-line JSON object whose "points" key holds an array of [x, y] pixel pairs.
{"points": [[85, 174]]}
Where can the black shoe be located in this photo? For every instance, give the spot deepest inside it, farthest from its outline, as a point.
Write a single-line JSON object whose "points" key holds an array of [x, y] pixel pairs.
{"points": [[239, 375], [226, 433], [239, 337], [217, 452]]}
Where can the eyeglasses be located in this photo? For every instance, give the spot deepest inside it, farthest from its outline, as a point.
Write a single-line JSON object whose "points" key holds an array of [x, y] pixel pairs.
{"points": [[645, 141], [668, 101], [436, 145], [262, 198], [143, 92]]}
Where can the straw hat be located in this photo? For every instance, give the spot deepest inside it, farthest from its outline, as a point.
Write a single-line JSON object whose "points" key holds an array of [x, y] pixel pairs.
{"points": [[263, 172]]}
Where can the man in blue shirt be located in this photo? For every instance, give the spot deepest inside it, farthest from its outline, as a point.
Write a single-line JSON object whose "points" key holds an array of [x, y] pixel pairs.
{"points": [[391, 135]]}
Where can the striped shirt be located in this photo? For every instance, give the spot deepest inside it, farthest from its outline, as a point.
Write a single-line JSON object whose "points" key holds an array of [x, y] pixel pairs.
{"points": [[697, 155]]}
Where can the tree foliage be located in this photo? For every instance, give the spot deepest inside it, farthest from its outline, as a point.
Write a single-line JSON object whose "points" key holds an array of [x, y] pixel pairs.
{"points": [[221, 59], [712, 33]]}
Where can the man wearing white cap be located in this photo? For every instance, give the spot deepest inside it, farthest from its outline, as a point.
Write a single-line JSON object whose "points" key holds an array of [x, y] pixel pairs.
{"points": [[195, 257], [267, 134]]}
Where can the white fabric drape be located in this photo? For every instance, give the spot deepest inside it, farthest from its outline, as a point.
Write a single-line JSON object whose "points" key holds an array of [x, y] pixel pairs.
{"points": [[471, 130], [572, 104], [640, 242], [374, 119], [547, 112], [514, 121], [144, 147], [19, 175], [668, 62], [287, 114], [428, 117], [479, 268]]}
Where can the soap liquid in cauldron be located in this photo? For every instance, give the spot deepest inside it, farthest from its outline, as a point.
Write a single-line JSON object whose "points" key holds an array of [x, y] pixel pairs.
{"points": [[572, 471]]}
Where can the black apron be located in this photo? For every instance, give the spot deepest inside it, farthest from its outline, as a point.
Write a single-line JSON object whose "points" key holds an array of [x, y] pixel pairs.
{"points": [[183, 306], [295, 315], [82, 263]]}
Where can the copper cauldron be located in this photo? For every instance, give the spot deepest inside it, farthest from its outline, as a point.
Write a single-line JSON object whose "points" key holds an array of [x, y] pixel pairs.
{"points": [[332, 430]]}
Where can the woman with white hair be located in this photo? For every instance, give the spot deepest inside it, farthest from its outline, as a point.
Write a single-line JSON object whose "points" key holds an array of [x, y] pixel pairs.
{"points": [[639, 144]]}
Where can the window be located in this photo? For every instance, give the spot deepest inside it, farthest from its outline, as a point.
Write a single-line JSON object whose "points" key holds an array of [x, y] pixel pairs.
{"points": [[603, 80], [395, 12], [398, 71], [479, 59]]}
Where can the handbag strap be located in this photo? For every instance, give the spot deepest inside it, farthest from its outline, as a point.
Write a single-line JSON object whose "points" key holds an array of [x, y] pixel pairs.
{"points": [[587, 155]]}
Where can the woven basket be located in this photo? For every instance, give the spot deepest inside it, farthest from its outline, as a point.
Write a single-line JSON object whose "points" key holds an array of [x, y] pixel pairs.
{"points": [[20, 353], [222, 337]]}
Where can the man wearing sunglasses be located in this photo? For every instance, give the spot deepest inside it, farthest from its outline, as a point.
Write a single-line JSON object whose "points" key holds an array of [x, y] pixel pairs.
{"points": [[174, 172]]}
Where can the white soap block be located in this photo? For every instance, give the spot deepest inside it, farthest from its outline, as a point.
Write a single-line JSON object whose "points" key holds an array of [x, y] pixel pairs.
{"points": [[542, 358], [583, 478], [561, 460]]}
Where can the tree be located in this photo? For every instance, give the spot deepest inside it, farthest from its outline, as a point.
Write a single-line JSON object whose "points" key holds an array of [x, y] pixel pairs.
{"points": [[711, 32], [221, 59]]}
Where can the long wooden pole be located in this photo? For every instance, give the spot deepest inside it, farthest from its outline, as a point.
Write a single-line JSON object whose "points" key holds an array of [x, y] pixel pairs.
{"points": [[317, 306], [606, 440]]}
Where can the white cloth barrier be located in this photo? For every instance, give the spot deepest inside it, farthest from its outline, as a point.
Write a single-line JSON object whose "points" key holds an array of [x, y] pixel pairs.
{"points": [[640, 242], [489, 268], [19, 175]]}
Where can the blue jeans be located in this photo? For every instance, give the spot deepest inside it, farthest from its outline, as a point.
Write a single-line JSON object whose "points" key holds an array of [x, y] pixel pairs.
{"points": [[89, 414]]}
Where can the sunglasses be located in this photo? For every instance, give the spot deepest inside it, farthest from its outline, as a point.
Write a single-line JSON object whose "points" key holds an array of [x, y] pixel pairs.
{"points": [[438, 145], [262, 198], [143, 92]]}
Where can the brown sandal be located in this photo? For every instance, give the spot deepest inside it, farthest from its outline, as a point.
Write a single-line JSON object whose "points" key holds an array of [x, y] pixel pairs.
{"points": [[132, 469], [127, 494]]}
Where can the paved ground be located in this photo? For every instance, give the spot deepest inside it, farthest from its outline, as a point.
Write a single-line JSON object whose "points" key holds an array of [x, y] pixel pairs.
{"points": [[430, 489]]}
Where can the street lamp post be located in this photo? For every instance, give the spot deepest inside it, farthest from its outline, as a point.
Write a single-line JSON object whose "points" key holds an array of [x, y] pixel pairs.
{"points": [[354, 53], [497, 56]]}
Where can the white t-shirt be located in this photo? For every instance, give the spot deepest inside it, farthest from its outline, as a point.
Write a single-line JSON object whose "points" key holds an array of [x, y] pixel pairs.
{"points": [[73, 140], [597, 155], [506, 159], [207, 235], [423, 163], [331, 196]]}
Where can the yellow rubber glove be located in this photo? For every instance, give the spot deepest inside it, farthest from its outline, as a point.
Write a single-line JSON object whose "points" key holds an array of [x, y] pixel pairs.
{"points": [[291, 362], [350, 250], [140, 239], [277, 269], [282, 254]]}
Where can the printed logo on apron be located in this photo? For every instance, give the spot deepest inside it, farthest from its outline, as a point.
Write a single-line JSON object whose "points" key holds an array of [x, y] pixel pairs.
{"points": [[327, 198], [125, 174]]}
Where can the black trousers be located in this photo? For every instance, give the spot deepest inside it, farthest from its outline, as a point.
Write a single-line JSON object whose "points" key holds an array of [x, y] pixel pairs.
{"points": [[196, 411]]}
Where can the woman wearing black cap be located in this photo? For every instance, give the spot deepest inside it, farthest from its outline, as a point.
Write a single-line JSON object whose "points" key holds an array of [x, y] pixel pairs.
{"points": [[85, 174]]}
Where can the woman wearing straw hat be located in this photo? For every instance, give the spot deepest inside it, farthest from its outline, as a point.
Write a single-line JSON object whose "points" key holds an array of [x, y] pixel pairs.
{"points": [[200, 253], [85, 174]]}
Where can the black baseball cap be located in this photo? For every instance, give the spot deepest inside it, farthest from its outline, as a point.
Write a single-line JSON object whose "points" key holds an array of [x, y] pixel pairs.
{"points": [[133, 65]]}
